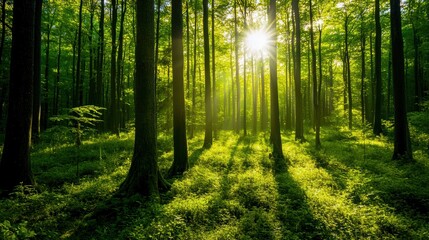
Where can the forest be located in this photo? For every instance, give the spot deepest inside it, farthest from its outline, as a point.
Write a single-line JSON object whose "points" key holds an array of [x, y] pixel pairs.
{"points": [[214, 119]]}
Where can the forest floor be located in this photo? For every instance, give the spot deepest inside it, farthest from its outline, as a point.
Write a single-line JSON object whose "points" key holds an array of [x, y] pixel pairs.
{"points": [[350, 189]]}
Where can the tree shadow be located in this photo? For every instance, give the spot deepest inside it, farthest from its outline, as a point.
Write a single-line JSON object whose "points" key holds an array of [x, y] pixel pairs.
{"points": [[366, 174]]}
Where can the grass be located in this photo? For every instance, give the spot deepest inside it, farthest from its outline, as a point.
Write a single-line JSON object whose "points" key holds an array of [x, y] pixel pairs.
{"points": [[350, 189]]}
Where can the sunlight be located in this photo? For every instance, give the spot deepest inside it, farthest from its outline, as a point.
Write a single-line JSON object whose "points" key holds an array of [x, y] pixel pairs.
{"points": [[257, 40]]}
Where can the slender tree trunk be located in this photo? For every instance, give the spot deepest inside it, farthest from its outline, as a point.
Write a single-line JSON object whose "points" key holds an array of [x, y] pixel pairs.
{"points": [[237, 66], [377, 106], [349, 80], [158, 18], [37, 74], [57, 82], [194, 73], [402, 144], [180, 163], [120, 63], [316, 103], [79, 84], [215, 107], [208, 99], [264, 119], [15, 165], [91, 91], [363, 72], [113, 118], [275, 123], [100, 58], [44, 112], [255, 98], [389, 85], [299, 126]]}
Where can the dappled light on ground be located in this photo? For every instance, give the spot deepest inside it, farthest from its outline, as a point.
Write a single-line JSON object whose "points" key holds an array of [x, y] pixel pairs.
{"points": [[349, 189]]}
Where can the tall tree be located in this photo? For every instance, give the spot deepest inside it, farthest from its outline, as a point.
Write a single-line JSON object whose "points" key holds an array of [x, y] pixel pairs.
{"points": [[37, 73], [180, 163], [316, 103], [100, 57], [79, 80], [214, 71], [237, 66], [113, 118], [275, 122], [208, 136], [299, 125], [144, 177], [377, 107], [15, 166], [402, 145]]}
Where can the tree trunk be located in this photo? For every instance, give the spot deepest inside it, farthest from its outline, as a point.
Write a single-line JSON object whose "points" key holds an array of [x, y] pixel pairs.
{"points": [[144, 177], [44, 112], [237, 67], [37, 74], [113, 118], [120, 64], [180, 163], [215, 120], [349, 80], [91, 91], [402, 145], [208, 99], [363, 72], [194, 73], [79, 81], [100, 58], [57, 82], [316, 103], [377, 106], [263, 98], [275, 122], [15, 166], [299, 126]]}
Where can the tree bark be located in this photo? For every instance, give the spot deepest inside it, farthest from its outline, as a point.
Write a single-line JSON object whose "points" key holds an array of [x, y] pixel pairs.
{"points": [[113, 118], [299, 126], [402, 144], [208, 138], [15, 166], [180, 163], [100, 58], [275, 122], [377, 130], [215, 120], [144, 177]]}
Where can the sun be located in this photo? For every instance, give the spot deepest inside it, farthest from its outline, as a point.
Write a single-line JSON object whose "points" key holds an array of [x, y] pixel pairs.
{"points": [[257, 40]]}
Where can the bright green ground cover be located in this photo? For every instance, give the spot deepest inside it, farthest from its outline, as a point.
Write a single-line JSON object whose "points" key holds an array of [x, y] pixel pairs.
{"points": [[350, 189]]}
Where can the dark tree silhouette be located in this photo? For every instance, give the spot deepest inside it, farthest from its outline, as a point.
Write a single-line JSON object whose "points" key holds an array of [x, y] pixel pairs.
{"points": [[275, 122], [377, 107], [180, 163], [402, 145], [15, 167]]}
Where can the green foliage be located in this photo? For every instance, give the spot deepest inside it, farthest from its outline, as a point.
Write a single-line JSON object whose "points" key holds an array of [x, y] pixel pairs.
{"points": [[349, 189], [7, 231]]}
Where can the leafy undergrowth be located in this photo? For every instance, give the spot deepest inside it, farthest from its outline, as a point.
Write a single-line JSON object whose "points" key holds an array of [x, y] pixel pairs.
{"points": [[350, 189]]}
